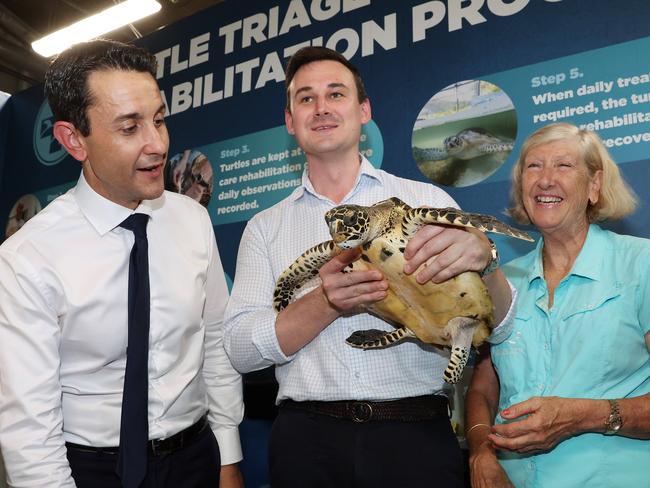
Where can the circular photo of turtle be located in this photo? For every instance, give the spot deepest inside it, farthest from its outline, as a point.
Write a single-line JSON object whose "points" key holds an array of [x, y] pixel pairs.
{"points": [[24, 209], [464, 133], [190, 173]]}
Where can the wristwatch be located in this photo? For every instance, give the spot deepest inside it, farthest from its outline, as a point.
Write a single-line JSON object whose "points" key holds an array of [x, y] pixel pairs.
{"points": [[494, 264], [614, 421]]}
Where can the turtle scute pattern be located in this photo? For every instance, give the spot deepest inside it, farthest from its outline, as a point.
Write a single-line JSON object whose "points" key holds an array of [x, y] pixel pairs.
{"points": [[457, 313]]}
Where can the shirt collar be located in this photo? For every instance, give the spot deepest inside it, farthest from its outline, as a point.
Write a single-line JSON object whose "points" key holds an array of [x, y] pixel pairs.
{"points": [[103, 214], [366, 170], [588, 262]]}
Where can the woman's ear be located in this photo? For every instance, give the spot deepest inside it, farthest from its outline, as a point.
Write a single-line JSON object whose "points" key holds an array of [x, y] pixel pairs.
{"points": [[595, 185]]}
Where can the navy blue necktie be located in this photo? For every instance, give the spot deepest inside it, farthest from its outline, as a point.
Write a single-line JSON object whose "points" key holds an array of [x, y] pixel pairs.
{"points": [[134, 427]]}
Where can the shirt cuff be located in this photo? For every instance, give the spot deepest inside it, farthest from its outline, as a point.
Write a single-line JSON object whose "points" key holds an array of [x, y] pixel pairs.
{"points": [[266, 341], [229, 445], [501, 332]]}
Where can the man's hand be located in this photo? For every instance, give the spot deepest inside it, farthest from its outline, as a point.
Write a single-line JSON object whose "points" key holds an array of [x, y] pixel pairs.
{"points": [[347, 291], [339, 294], [456, 250], [547, 421]]}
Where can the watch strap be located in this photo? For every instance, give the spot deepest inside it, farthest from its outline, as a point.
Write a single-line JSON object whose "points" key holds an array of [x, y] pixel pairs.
{"points": [[614, 420], [494, 263]]}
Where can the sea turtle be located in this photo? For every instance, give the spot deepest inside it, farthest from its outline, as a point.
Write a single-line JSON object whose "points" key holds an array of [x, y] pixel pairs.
{"points": [[455, 313], [467, 144]]}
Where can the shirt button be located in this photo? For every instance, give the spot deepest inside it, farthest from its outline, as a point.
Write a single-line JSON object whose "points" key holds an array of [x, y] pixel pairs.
{"points": [[357, 374]]}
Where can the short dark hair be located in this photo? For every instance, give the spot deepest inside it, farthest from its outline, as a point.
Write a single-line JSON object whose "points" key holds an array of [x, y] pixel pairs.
{"points": [[312, 54], [66, 80]]}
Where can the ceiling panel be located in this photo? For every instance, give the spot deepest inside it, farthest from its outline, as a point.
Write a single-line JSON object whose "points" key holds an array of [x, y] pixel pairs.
{"points": [[23, 21]]}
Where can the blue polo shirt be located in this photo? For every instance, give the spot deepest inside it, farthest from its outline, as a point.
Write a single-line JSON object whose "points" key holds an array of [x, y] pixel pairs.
{"points": [[590, 344]]}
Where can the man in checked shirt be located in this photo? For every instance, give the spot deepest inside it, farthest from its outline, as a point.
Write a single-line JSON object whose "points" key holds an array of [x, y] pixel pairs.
{"points": [[396, 431]]}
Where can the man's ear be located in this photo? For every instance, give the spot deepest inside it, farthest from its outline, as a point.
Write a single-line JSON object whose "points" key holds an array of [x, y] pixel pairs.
{"points": [[366, 111], [69, 137], [288, 120]]}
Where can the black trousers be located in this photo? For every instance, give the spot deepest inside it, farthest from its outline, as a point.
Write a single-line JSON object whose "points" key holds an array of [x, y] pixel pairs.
{"points": [[315, 451], [194, 466]]}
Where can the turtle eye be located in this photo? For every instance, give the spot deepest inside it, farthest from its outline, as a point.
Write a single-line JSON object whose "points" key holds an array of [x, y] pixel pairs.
{"points": [[350, 218], [452, 141]]}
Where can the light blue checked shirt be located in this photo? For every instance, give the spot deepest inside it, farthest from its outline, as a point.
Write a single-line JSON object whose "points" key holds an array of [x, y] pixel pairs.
{"points": [[327, 368]]}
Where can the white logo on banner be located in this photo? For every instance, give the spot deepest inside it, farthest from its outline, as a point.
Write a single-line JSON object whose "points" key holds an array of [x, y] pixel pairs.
{"points": [[46, 147]]}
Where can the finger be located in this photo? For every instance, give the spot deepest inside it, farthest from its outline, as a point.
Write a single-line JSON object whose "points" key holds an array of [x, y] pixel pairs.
{"points": [[352, 284], [421, 237], [500, 442], [360, 300], [456, 249], [353, 297], [518, 443], [339, 280], [516, 428], [460, 255], [445, 266], [463, 251], [358, 287], [340, 261], [431, 242], [520, 409]]}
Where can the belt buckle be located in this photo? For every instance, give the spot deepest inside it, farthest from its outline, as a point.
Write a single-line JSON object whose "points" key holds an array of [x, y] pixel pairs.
{"points": [[156, 446], [361, 411], [165, 446]]}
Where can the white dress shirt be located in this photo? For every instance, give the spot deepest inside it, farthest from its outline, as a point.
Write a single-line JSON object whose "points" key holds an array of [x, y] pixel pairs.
{"points": [[327, 368], [63, 332]]}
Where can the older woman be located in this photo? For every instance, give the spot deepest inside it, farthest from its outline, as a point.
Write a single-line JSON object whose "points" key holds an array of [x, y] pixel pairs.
{"points": [[565, 401]]}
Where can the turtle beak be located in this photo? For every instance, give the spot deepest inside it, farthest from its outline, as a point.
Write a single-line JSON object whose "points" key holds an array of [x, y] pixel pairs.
{"points": [[336, 231]]}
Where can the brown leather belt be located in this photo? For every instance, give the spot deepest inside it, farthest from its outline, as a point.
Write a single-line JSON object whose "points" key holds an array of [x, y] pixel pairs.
{"points": [[413, 409], [155, 447]]}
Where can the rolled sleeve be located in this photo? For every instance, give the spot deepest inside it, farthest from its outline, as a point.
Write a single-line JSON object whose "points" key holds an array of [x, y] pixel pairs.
{"points": [[501, 332]]}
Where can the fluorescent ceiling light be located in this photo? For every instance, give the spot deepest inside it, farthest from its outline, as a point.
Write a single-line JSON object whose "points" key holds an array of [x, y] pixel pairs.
{"points": [[94, 26]]}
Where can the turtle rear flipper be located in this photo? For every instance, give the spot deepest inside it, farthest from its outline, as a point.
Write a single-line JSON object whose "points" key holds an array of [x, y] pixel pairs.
{"points": [[377, 339], [461, 330], [301, 271]]}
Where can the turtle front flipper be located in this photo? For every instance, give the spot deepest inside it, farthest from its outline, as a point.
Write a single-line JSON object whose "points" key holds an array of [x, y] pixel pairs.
{"points": [[302, 270], [495, 147], [417, 217], [461, 330], [377, 339], [429, 154]]}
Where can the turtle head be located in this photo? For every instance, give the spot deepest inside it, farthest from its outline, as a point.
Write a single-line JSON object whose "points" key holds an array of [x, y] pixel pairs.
{"points": [[454, 144], [349, 225]]}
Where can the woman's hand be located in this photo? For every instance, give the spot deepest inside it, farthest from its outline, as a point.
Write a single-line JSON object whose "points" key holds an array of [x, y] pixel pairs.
{"points": [[546, 421]]}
